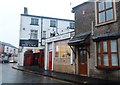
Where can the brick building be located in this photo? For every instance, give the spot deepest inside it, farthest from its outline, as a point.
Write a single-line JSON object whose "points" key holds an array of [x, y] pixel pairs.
{"points": [[97, 39]]}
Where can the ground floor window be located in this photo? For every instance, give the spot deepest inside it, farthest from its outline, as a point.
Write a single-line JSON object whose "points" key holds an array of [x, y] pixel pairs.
{"points": [[62, 49], [107, 54]]}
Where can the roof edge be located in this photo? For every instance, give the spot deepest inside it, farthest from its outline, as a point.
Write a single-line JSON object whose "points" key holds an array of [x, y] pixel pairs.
{"points": [[46, 17]]}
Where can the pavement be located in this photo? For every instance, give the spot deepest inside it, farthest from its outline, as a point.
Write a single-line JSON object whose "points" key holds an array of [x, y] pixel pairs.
{"points": [[82, 80]]}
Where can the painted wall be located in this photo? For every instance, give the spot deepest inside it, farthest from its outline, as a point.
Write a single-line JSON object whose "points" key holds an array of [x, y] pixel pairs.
{"points": [[59, 63], [44, 25], [11, 50], [25, 24]]}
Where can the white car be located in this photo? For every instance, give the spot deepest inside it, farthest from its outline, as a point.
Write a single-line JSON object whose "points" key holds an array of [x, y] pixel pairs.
{"points": [[13, 59]]}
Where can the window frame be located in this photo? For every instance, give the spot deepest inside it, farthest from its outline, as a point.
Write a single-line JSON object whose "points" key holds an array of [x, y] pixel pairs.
{"points": [[44, 35], [53, 23], [109, 52], [83, 55], [33, 33], [97, 12], [62, 50], [34, 21], [72, 25]]}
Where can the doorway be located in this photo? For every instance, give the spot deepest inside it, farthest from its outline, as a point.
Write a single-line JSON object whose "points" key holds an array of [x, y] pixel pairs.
{"points": [[28, 58], [50, 60], [35, 59], [82, 61]]}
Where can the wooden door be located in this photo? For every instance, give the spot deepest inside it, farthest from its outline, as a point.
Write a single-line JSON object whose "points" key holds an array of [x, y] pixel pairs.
{"points": [[28, 58], [82, 61], [41, 59], [50, 60]]}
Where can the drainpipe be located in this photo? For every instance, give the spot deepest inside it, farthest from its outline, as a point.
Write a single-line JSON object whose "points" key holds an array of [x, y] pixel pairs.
{"points": [[75, 57], [41, 30], [92, 28]]}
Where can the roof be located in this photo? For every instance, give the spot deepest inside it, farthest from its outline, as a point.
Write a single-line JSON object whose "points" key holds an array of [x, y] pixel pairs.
{"points": [[84, 3], [107, 36], [79, 39], [46, 17], [6, 44]]}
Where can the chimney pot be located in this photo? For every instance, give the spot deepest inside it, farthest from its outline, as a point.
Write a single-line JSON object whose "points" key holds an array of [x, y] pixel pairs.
{"points": [[25, 10]]}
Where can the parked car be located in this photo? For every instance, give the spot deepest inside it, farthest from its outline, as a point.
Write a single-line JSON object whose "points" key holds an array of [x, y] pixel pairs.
{"points": [[5, 59], [13, 59]]}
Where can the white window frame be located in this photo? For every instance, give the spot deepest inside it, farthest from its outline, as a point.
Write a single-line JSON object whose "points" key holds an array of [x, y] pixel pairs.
{"points": [[96, 16], [53, 23], [32, 34], [34, 21]]}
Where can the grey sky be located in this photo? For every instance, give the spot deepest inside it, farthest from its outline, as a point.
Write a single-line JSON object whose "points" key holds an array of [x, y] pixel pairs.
{"points": [[10, 11]]}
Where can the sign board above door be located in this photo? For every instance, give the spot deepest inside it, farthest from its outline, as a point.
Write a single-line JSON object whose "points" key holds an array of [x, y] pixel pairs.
{"points": [[28, 43]]}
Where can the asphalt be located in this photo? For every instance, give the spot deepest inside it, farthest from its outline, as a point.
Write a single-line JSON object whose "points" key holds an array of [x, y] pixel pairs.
{"points": [[82, 80]]}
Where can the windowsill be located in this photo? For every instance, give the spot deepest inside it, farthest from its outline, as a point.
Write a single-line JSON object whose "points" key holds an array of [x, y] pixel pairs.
{"points": [[43, 38], [35, 24], [104, 23], [32, 39], [71, 28], [52, 26], [108, 68]]}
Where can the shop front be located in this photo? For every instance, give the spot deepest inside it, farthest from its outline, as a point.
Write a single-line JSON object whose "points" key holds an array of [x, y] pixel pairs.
{"points": [[59, 56], [34, 58], [30, 54]]}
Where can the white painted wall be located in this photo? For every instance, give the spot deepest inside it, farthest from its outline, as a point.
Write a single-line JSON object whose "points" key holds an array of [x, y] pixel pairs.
{"points": [[45, 26], [8, 49], [50, 46], [25, 23]]}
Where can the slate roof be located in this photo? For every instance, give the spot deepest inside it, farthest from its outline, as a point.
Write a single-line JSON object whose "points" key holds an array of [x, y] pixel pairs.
{"points": [[6, 44]]}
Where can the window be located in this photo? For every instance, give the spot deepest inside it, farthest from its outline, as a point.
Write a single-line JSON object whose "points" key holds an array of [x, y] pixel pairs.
{"points": [[44, 34], [72, 25], [14, 50], [7, 49], [107, 54], [53, 23], [83, 55], [105, 11], [34, 21], [34, 34], [62, 49], [52, 34]]}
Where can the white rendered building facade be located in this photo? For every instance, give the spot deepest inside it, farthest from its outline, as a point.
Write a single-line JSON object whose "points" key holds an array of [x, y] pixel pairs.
{"points": [[35, 29]]}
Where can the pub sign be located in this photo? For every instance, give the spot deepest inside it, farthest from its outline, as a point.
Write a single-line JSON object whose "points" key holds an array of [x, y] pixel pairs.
{"points": [[28, 43]]}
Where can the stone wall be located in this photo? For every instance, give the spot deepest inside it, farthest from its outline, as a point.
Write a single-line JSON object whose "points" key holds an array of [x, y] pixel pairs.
{"points": [[84, 15], [63, 65]]}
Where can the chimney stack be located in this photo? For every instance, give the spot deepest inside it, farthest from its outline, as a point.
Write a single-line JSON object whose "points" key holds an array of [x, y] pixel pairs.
{"points": [[25, 10]]}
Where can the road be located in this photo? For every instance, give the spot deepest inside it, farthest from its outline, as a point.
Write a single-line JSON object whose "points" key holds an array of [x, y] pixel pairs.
{"points": [[10, 75]]}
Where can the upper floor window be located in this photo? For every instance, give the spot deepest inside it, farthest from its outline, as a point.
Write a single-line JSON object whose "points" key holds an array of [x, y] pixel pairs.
{"points": [[7, 49], [72, 25], [34, 21], [107, 54], [44, 34], [52, 34], [105, 11], [34, 34], [53, 23]]}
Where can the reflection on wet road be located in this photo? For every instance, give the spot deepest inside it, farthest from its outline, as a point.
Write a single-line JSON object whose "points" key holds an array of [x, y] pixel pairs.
{"points": [[10, 75]]}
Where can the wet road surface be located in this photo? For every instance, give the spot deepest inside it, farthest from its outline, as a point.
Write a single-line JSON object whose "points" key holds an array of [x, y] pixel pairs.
{"points": [[10, 75]]}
